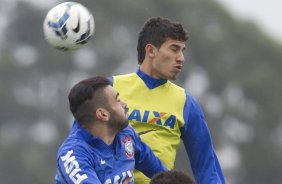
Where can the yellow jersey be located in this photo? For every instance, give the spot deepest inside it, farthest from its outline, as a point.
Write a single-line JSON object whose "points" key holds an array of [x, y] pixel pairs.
{"points": [[163, 113]]}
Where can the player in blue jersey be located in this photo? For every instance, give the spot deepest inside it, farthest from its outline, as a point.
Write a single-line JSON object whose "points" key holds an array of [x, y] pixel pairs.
{"points": [[102, 148], [161, 112]]}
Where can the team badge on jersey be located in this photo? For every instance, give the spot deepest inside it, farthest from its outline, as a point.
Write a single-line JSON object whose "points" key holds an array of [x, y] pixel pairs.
{"points": [[128, 147]]}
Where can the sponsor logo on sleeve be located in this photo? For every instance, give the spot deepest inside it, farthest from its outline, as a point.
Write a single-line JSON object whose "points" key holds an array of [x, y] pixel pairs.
{"points": [[72, 168]]}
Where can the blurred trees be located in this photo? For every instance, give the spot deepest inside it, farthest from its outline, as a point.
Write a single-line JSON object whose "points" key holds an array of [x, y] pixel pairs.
{"points": [[232, 67]]}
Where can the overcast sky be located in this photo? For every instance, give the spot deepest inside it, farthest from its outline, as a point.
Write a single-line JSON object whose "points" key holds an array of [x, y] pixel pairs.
{"points": [[267, 14]]}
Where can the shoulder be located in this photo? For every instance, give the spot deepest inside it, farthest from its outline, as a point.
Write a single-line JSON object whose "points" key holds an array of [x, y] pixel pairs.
{"points": [[192, 110], [190, 97], [191, 101], [187, 94], [191, 107], [124, 76], [175, 87], [74, 146], [129, 132]]}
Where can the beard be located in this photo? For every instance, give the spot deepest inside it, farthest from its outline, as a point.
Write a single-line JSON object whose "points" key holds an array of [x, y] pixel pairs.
{"points": [[117, 121]]}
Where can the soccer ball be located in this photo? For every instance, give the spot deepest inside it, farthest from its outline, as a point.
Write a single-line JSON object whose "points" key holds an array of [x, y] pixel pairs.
{"points": [[68, 26]]}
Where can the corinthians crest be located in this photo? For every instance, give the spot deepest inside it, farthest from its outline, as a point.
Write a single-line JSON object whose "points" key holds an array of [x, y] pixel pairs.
{"points": [[128, 147]]}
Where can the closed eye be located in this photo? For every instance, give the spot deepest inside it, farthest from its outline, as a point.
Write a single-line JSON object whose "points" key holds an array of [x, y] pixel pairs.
{"points": [[177, 48], [117, 97]]}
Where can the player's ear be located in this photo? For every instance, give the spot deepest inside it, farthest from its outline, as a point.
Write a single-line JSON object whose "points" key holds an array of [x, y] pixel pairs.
{"points": [[102, 114], [150, 50]]}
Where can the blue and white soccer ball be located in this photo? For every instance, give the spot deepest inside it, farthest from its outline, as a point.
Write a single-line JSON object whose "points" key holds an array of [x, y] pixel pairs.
{"points": [[68, 26]]}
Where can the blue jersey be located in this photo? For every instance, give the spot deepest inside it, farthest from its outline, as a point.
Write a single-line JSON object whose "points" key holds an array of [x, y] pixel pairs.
{"points": [[163, 113], [85, 159]]}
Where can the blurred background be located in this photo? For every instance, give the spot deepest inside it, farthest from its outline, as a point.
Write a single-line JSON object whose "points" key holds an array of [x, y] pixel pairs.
{"points": [[233, 67]]}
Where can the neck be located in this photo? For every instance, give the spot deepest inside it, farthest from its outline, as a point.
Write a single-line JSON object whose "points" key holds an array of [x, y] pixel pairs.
{"points": [[147, 69], [103, 132]]}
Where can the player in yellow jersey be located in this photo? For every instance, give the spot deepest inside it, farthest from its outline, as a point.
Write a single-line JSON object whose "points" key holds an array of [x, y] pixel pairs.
{"points": [[161, 112]]}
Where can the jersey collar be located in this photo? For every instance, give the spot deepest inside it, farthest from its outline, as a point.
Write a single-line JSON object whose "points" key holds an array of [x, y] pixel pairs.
{"points": [[150, 82]]}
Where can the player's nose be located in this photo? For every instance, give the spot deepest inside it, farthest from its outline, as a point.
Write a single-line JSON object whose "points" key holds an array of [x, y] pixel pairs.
{"points": [[180, 57], [123, 104]]}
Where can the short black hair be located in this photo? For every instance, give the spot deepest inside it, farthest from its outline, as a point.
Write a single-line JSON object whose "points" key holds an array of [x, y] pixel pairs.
{"points": [[85, 97], [156, 31], [172, 177]]}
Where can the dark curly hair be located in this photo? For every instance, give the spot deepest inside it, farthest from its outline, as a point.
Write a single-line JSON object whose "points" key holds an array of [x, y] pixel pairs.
{"points": [[85, 97], [156, 31], [172, 177]]}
